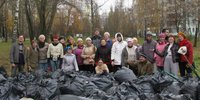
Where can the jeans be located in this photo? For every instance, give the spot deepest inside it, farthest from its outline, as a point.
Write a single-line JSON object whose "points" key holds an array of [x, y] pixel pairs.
{"points": [[54, 65], [43, 66], [18, 67]]}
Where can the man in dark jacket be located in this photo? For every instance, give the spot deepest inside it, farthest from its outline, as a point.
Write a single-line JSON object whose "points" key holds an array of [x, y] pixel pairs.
{"points": [[17, 56], [96, 38]]}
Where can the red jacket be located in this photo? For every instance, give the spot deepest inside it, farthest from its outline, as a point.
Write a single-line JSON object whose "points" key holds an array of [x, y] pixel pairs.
{"points": [[189, 54]]}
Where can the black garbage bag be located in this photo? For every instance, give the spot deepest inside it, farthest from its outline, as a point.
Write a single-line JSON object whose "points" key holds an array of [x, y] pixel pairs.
{"points": [[102, 83], [7, 93], [144, 84], [2, 78], [190, 87], [174, 89], [57, 74], [3, 71], [198, 91], [73, 97], [124, 74], [74, 86]]}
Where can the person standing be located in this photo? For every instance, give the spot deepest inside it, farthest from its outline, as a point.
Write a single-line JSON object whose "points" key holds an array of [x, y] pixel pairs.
{"points": [[96, 38], [88, 55], [116, 51], [104, 53], [17, 56], [78, 51], [129, 55], [55, 53], [108, 40], [185, 60], [148, 48], [32, 56], [160, 46], [69, 61], [42, 48]]}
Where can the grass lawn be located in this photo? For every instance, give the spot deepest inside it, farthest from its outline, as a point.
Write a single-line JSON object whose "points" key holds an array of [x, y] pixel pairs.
{"points": [[5, 49]]}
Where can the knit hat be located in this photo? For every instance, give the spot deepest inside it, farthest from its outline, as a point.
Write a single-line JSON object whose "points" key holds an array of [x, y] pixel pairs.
{"points": [[182, 34], [67, 48], [129, 40], [149, 34], [107, 33], [41, 36], [55, 36], [88, 39], [79, 39]]}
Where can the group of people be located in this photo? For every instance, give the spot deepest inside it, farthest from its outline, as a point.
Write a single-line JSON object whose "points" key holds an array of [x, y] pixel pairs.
{"points": [[103, 54]]}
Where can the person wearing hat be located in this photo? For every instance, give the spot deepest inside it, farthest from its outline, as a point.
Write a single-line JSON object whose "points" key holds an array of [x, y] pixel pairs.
{"points": [[42, 48], [69, 61], [143, 66], [171, 56], [160, 48], [96, 38], [185, 60], [108, 40], [88, 55], [148, 48], [116, 51], [78, 51], [32, 55], [55, 53], [129, 55]]}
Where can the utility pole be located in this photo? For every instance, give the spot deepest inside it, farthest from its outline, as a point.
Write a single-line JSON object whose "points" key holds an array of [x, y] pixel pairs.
{"points": [[15, 29]]}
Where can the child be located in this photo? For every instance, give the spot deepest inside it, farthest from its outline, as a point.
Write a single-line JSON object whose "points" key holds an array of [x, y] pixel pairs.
{"points": [[69, 61], [101, 68]]}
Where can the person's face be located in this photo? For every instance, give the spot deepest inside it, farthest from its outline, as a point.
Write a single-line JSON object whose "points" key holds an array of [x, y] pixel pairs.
{"points": [[89, 42], [162, 39], [34, 44], [80, 43], [69, 51], [96, 32], [171, 40], [149, 37], [167, 32], [134, 42], [62, 41], [55, 40], [100, 62], [103, 42], [180, 37], [106, 36], [142, 59], [41, 39], [130, 43], [119, 38], [21, 39]]}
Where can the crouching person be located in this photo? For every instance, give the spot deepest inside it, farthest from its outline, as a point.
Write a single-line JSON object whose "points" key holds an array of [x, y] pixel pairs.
{"points": [[143, 66], [69, 61], [101, 68]]}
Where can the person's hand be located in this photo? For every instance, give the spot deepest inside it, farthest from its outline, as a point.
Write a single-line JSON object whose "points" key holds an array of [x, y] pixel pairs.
{"points": [[13, 65], [188, 65]]}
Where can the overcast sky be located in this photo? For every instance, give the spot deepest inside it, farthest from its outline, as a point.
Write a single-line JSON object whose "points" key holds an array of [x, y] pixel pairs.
{"points": [[109, 3]]}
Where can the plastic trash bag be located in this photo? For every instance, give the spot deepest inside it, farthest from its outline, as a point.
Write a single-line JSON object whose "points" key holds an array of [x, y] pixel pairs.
{"points": [[124, 74]]}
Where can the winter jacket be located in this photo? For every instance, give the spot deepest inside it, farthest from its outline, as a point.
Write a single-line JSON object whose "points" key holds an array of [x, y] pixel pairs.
{"points": [[14, 53], [78, 52], [104, 53], [55, 51], [117, 49], [43, 52], [143, 68], [189, 54], [101, 69], [148, 49], [96, 40], [88, 51], [125, 55], [174, 50], [160, 47], [69, 63], [32, 57]]}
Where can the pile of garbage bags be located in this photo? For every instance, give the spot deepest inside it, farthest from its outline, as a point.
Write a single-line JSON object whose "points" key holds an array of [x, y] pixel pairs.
{"points": [[122, 85]]}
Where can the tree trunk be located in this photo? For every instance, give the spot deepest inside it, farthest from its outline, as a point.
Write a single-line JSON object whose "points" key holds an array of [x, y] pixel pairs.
{"points": [[92, 16], [15, 29]]}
